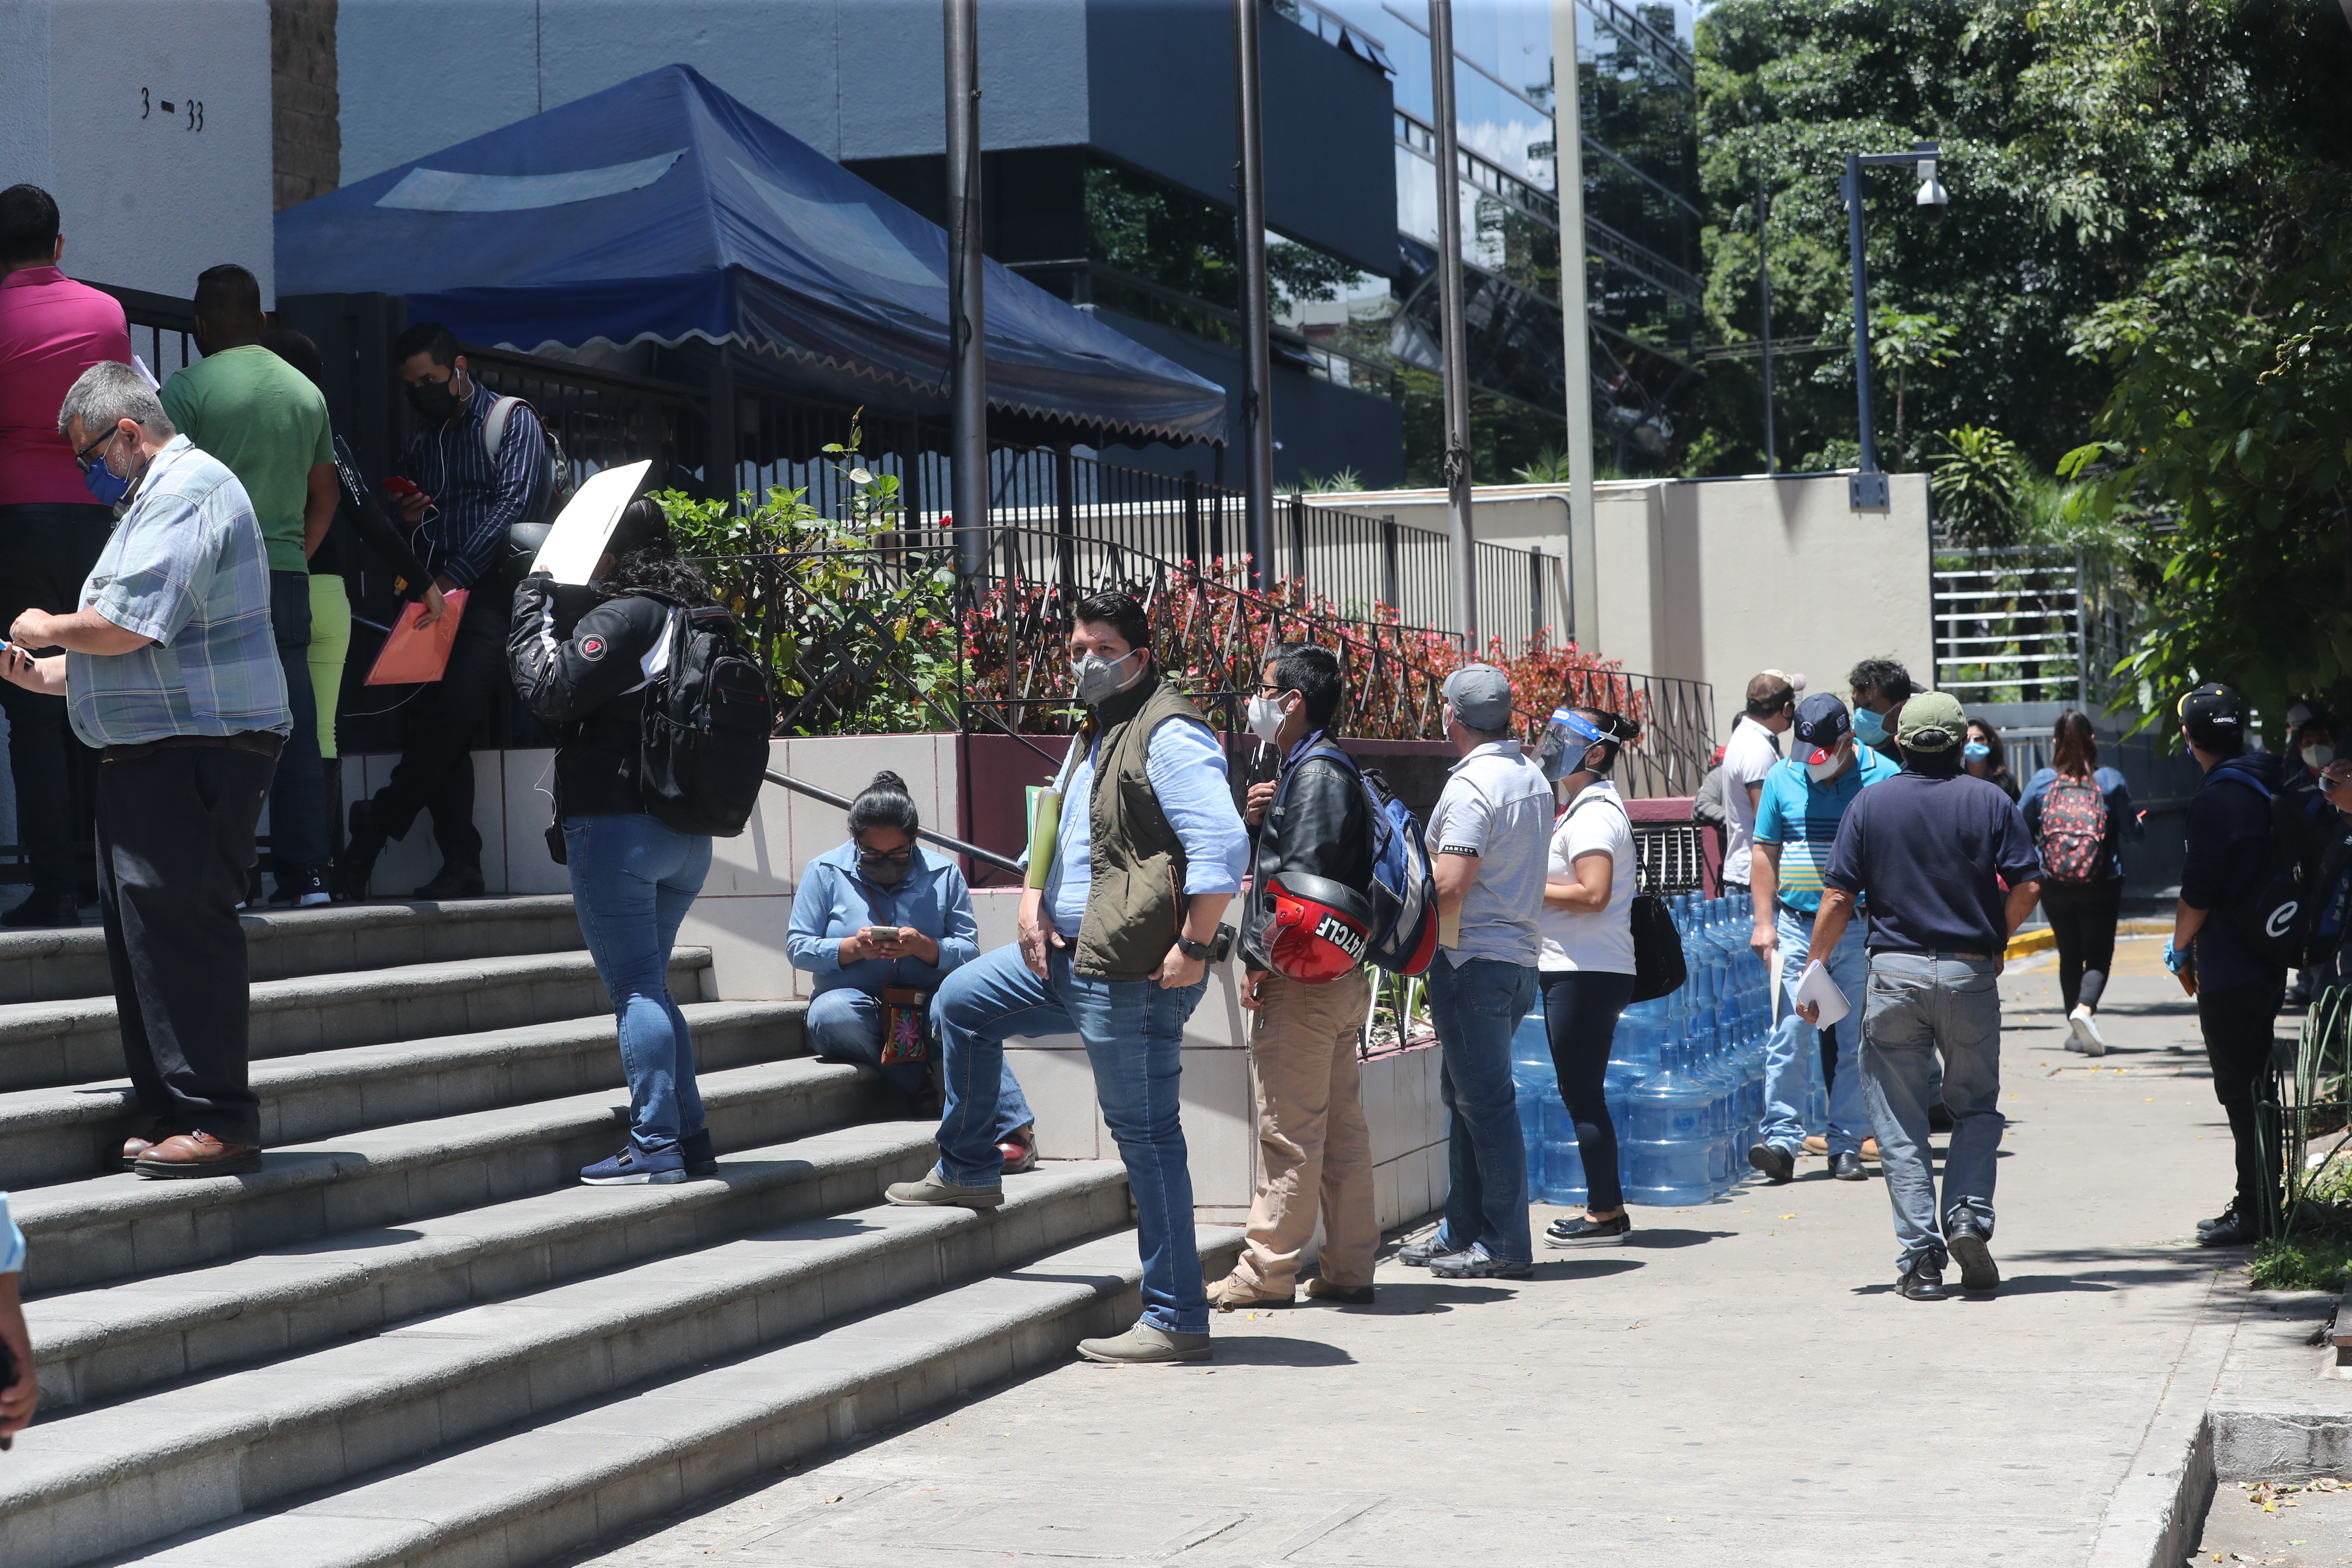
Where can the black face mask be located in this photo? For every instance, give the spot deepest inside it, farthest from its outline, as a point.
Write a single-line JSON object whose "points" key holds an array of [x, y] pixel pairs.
{"points": [[433, 400], [885, 871]]}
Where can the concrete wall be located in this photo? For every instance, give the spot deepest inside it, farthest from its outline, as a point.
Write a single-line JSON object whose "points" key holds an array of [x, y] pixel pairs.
{"points": [[1716, 580], [746, 906], [147, 198]]}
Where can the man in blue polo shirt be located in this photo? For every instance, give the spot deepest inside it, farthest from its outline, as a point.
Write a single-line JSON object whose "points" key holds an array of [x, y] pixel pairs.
{"points": [[1798, 811], [1951, 873]]}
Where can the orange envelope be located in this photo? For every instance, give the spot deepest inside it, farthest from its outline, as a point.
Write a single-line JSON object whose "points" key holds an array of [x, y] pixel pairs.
{"points": [[412, 655]]}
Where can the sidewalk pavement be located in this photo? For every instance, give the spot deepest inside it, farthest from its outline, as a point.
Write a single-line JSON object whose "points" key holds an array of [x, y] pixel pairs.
{"points": [[1739, 1385]]}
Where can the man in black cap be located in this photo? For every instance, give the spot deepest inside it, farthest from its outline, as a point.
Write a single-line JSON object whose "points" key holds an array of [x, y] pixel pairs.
{"points": [[2238, 987], [1797, 816]]}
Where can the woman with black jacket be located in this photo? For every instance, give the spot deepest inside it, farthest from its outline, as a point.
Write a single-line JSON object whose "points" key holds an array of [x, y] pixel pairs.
{"points": [[633, 876]]}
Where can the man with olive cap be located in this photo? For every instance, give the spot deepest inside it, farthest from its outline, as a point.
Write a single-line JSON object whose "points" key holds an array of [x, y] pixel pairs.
{"points": [[1933, 849], [1489, 842]]}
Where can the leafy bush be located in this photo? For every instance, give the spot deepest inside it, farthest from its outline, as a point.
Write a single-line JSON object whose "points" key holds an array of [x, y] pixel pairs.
{"points": [[1982, 485]]}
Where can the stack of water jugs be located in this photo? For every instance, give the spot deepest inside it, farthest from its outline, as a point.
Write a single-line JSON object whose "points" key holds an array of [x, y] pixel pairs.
{"points": [[1686, 1083]]}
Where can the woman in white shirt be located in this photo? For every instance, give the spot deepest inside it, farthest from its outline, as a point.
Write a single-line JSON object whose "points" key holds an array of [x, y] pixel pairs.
{"points": [[1587, 965]]}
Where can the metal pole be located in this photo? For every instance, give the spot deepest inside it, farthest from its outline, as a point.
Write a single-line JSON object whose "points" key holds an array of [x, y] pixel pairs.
{"points": [[1456, 351], [967, 318], [1764, 309], [1576, 331], [1249, 179], [1868, 488]]}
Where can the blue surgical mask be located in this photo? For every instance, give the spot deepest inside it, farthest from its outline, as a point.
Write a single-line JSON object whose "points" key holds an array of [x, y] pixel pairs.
{"points": [[105, 485], [1869, 729], [1975, 752]]}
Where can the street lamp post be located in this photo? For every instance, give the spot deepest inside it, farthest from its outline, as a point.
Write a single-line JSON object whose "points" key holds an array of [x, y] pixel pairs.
{"points": [[1868, 489]]}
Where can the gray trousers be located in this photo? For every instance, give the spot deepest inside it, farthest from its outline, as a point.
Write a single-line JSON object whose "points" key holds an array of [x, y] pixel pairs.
{"points": [[1920, 1007]]}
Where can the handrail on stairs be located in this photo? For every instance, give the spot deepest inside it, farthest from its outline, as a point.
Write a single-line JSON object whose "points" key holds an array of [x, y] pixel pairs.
{"points": [[957, 845]]}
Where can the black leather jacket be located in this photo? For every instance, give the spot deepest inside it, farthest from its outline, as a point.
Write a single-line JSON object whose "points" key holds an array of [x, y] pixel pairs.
{"points": [[1320, 823], [589, 679]]}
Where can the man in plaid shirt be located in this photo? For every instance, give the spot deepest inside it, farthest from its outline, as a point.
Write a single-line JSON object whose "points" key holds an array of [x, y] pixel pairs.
{"points": [[170, 670], [466, 498]]}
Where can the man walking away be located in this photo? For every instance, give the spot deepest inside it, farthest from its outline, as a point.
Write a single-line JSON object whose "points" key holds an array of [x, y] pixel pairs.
{"points": [[1302, 954], [1490, 843], [1932, 849], [1803, 801], [250, 410], [54, 520], [1753, 750], [170, 670], [2239, 989], [1115, 948], [466, 498]]}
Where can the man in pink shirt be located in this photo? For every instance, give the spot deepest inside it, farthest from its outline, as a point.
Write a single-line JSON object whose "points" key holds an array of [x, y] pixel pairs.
{"points": [[52, 525]]}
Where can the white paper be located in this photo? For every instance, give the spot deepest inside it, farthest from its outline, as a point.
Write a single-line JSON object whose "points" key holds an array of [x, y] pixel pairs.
{"points": [[145, 374], [1814, 985], [577, 540]]}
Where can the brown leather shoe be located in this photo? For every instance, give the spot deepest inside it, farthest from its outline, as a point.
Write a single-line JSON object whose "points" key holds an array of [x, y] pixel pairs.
{"points": [[1816, 1144], [146, 1138], [1233, 1292], [199, 1154], [1870, 1148]]}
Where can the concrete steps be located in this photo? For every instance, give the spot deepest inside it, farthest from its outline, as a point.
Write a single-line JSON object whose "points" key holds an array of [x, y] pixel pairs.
{"points": [[415, 1315]]}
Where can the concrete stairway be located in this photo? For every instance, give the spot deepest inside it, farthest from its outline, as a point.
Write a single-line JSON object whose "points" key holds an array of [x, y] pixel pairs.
{"points": [[413, 1338]]}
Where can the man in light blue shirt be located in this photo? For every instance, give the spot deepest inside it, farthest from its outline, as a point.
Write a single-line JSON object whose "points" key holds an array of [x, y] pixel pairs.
{"points": [[170, 669], [1113, 947], [1798, 809]]}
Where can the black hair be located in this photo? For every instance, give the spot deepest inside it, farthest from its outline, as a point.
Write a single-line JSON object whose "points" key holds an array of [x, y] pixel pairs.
{"points": [[1886, 677], [297, 350], [227, 289], [1121, 613], [657, 569], [885, 803], [431, 339], [1314, 672], [641, 522], [28, 226], [1619, 731]]}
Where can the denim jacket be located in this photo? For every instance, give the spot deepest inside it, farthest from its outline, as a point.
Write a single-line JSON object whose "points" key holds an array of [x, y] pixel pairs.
{"points": [[832, 902]]}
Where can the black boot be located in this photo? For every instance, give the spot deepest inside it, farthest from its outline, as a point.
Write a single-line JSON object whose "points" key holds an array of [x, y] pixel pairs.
{"points": [[453, 882], [360, 851]]}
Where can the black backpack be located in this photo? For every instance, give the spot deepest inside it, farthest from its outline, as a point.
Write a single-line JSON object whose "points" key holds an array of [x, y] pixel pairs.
{"points": [[2276, 918], [703, 750]]}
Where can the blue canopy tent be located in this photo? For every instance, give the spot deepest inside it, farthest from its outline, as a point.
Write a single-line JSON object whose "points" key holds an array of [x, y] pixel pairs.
{"points": [[663, 210]]}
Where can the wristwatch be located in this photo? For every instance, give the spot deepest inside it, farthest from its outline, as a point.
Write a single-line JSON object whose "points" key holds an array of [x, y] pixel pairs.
{"points": [[1190, 948]]}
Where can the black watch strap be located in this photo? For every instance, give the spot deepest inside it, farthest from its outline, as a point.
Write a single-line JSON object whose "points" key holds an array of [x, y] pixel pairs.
{"points": [[1192, 949]]}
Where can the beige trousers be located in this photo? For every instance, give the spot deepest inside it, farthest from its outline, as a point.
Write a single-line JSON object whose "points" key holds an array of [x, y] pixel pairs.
{"points": [[1313, 1149]]}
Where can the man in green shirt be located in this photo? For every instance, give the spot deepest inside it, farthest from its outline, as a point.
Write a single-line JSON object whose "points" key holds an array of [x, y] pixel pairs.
{"points": [[267, 423]]}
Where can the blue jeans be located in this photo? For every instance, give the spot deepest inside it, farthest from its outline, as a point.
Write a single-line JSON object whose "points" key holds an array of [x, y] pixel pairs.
{"points": [[298, 794], [1920, 1007], [1476, 1006], [632, 880], [1134, 1033], [844, 1025], [1794, 1042]]}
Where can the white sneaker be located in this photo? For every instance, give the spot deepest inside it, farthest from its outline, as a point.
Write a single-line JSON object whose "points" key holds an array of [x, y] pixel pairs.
{"points": [[2087, 1038]]}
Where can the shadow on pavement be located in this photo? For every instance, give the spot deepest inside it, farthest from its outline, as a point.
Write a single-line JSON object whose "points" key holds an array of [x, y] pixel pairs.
{"points": [[1271, 1350], [1433, 1296], [1639, 1236]]}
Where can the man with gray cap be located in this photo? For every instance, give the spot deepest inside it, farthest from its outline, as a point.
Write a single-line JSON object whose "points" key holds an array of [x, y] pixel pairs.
{"points": [[1934, 849], [1489, 839]]}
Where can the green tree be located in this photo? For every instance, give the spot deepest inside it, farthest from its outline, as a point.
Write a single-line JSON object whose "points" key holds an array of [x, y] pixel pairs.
{"points": [[1980, 486]]}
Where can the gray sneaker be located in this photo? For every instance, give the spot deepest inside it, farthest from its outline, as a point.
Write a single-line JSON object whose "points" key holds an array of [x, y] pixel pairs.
{"points": [[1144, 1344], [1423, 1253], [934, 1192], [1475, 1264]]}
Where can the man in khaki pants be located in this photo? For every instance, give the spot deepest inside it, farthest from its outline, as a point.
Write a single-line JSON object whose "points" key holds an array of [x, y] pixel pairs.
{"points": [[1302, 947]]}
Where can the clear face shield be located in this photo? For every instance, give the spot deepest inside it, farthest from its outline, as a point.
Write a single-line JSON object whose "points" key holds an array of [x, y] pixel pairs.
{"points": [[1566, 739]]}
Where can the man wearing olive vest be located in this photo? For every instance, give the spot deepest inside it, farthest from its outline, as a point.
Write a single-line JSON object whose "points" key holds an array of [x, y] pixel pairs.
{"points": [[1115, 947]]}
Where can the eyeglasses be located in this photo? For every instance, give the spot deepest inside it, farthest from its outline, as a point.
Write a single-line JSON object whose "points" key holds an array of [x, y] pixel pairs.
{"points": [[83, 456], [878, 857]]}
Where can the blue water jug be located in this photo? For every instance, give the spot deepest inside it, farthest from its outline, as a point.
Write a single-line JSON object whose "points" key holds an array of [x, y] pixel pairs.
{"points": [[1563, 1159], [1666, 1156]]}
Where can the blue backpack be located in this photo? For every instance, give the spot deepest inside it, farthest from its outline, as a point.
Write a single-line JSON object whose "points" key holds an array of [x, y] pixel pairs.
{"points": [[1403, 894]]}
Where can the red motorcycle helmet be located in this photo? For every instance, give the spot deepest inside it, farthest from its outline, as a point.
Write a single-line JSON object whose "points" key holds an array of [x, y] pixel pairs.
{"points": [[1318, 929]]}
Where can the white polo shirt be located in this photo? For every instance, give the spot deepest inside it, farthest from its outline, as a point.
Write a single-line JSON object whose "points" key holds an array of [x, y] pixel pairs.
{"points": [[1752, 752]]}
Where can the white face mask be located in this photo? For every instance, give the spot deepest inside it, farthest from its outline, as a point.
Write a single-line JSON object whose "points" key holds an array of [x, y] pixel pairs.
{"points": [[2318, 756], [1265, 717], [1823, 772]]}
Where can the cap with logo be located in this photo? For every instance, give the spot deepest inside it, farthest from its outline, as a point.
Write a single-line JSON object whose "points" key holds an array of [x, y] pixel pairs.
{"points": [[2215, 717], [1931, 722], [1480, 696], [1821, 722]]}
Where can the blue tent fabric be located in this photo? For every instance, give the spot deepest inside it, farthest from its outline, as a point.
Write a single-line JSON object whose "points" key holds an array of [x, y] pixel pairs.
{"points": [[663, 210]]}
